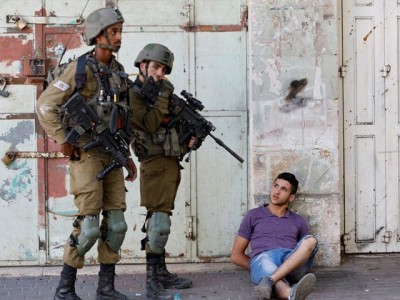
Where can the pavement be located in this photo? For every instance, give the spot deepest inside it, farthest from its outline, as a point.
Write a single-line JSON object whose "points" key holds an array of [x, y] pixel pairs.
{"points": [[358, 277]]}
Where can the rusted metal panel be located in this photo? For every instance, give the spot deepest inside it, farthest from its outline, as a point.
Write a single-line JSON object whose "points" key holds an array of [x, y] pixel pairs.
{"points": [[14, 47], [64, 41]]}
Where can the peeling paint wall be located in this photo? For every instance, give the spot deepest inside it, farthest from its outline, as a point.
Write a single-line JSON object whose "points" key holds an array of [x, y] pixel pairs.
{"points": [[293, 101]]}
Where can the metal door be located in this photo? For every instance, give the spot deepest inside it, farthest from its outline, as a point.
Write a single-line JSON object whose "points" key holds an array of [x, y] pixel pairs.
{"points": [[208, 39], [35, 202], [23, 218], [371, 125], [209, 42]]}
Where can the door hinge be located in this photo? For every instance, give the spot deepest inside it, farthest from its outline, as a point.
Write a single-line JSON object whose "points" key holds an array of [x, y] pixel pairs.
{"points": [[244, 16], [189, 14], [10, 156], [342, 71], [386, 237], [190, 228], [386, 70]]}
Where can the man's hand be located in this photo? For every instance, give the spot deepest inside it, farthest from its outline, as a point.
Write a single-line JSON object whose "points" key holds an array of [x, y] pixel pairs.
{"points": [[69, 150], [166, 88], [191, 142], [132, 167]]}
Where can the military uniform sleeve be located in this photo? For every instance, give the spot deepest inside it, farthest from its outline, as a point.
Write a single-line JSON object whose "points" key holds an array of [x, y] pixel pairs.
{"points": [[49, 103], [146, 119], [48, 106]]}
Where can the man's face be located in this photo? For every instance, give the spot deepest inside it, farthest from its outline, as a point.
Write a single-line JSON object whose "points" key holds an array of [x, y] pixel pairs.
{"points": [[115, 36], [155, 69], [281, 192]]}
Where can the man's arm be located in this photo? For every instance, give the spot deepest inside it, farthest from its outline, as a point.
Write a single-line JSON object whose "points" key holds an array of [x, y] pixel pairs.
{"points": [[238, 255], [150, 119], [49, 103]]}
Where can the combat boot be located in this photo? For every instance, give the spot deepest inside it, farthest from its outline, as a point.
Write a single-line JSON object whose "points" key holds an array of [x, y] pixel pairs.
{"points": [[106, 289], [169, 280], [154, 288], [66, 288]]}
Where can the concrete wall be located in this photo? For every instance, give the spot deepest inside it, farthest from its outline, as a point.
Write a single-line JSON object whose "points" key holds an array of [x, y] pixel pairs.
{"points": [[295, 43]]}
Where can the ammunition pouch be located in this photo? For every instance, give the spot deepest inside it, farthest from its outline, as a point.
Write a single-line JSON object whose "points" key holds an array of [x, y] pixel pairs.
{"points": [[162, 142], [171, 144]]}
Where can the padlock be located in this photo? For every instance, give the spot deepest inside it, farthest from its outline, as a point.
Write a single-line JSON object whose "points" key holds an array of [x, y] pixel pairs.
{"points": [[17, 20], [8, 158], [21, 23]]}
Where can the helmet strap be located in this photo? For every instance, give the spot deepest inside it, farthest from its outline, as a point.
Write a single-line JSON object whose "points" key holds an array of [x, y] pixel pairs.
{"points": [[147, 69], [108, 46], [146, 74], [103, 46]]}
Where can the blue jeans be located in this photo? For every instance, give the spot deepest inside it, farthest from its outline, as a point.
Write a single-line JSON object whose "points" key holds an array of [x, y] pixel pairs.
{"points": [[265, 263]]}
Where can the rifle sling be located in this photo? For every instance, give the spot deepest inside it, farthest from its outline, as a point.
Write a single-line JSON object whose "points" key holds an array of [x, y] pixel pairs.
{"points": [[80, 75]]}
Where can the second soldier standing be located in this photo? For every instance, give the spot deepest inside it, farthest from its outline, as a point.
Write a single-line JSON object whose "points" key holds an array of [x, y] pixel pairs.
{"points": [[158, 150]]}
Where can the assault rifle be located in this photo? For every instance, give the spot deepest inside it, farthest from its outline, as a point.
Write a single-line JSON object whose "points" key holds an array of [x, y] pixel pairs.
{"points": [[186, 113], [87, 121]]}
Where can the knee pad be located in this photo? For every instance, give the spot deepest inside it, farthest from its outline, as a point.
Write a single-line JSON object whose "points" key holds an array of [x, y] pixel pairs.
{"points": [[116, 229], [90, 232], [158, 230]]}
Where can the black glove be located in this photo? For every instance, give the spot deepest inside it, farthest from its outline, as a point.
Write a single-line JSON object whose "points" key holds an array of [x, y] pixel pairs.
{"points": [[166, 88]]}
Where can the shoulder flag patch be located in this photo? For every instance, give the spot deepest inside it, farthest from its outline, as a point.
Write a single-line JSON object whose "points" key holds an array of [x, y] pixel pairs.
{"points": [[61, 85]]}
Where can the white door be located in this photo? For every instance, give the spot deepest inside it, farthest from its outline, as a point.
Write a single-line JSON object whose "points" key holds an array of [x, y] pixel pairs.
{"points": [[371, 125], [209, 43]]}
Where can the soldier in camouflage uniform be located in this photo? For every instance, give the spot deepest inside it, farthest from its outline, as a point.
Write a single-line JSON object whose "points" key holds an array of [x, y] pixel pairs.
{"points": [[159, 153], [104, 89]]}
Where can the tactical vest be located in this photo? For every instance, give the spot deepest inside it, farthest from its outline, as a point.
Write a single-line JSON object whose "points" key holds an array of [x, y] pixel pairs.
{"points": [[164, 142], [110, 102]]}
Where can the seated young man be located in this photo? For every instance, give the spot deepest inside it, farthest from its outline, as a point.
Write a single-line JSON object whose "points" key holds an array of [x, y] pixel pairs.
{"points": [[282, 249]]}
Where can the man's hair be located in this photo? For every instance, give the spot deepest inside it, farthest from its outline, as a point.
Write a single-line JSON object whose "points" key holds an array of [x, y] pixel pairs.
{"points": [[291, 179]]}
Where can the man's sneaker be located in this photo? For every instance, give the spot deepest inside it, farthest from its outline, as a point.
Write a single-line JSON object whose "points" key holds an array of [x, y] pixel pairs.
{"points": [[264, 288], [303, 288]]}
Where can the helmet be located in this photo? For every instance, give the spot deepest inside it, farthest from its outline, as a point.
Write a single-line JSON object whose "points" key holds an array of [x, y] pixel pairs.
{"points": [[158, 53], [99, 20]]}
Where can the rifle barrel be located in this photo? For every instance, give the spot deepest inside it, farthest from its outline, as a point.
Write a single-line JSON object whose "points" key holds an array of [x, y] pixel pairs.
{"points": [[221, 143]]}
